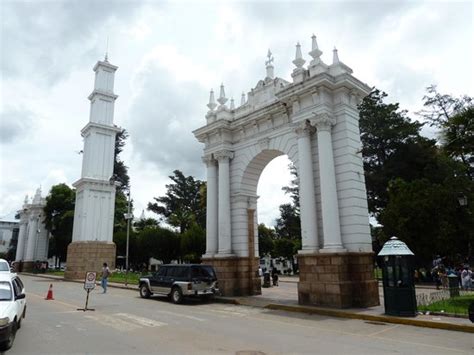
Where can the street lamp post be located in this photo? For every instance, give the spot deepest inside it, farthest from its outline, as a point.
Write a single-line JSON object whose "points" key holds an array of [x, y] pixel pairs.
{"points": [[127, 216]]}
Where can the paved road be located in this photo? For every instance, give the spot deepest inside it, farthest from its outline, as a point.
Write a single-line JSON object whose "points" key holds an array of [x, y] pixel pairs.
{"points": [[123, 323]]}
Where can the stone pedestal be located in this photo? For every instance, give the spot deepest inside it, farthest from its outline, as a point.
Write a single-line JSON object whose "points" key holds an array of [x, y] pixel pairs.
{"points": [[237, 276], [88, 256], [340, 280]]}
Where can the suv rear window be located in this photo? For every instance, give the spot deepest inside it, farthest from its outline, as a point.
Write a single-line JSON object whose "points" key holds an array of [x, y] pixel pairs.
{"points": [[203, 271]]}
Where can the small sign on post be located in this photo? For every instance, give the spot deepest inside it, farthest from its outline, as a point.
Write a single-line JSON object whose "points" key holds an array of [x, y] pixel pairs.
{"points": [[89, 284]]}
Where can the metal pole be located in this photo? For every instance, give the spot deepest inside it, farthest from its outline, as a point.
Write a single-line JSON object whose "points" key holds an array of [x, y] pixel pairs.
{"points": [[128, 237]]}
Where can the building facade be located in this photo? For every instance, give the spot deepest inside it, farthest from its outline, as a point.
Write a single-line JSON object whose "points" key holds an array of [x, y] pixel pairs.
{"points": [[33, 238]]}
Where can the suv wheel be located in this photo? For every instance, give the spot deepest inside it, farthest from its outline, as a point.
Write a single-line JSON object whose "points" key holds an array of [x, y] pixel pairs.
{"points": [[176, 295], [144, 291]]}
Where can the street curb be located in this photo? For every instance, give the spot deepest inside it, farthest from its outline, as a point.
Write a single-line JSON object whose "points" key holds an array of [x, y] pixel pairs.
{"points": [[370, 317]]}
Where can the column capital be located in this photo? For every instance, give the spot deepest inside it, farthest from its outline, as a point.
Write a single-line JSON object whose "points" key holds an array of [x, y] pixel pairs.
{"points": [[223, 155], [304, 129], [208, 160], [323, 121]]}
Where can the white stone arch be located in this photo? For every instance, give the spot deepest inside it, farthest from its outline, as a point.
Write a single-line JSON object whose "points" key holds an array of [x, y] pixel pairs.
{"points": [[244, 184], [314, 121]]}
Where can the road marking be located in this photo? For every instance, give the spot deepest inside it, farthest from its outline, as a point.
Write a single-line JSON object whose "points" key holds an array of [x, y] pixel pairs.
{"points": [[383, 330], [146, 322], [114, 322], [174, 314]]}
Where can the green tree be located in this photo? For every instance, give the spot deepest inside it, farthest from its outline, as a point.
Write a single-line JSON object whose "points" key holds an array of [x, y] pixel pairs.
{"points": [[121, 176], [59, 219], [284, 247], [427, 216], [193, 244], [266, 237], [288, 225], [454, 117], [182, 205], [160, 243], [145, 223], [387, 135]]}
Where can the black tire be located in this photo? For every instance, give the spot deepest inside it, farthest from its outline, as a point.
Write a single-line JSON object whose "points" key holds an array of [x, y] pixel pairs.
{"points": [[11, 338], [176, 295], [144, 291]]}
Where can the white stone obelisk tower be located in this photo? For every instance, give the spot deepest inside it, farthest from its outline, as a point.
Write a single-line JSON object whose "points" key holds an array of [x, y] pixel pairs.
{"points": [[92, 243]]}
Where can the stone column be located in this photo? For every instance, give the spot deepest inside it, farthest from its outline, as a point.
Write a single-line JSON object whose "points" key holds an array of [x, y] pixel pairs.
{"points": [[309, 228], [32, 236], [327, 175], [211, 208], [21, 237], [224, 227]]}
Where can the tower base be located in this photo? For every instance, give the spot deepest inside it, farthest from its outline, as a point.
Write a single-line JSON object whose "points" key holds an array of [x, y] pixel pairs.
{"points": [[340, 280], [88, 256], [237, 276]]}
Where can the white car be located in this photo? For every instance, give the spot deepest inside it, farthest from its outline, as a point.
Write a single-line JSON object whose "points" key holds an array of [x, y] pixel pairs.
{"points": [[12, 308], [4, 266]]}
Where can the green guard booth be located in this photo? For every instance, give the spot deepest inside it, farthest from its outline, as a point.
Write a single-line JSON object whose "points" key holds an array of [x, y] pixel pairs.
{"points": [[398, 278]]}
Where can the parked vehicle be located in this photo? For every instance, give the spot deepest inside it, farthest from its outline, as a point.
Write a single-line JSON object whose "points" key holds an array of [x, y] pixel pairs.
{"points": [[12, 308], [4, 266], [180, 280]]}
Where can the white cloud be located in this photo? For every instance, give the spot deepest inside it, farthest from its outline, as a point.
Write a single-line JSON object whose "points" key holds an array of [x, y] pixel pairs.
{"points": [[170, 55]]}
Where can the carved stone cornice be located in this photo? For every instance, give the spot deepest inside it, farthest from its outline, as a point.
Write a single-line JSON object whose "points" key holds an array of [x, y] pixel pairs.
{"points": [[209, 160], [223, 155], [304, 129], [323, 121]]}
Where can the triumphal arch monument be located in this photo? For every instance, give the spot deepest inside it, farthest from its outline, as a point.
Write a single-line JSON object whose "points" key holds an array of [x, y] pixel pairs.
{"points": [[313, 119]]}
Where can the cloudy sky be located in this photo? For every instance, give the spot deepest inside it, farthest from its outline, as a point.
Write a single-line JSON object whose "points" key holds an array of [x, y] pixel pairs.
{"points": [[170, 54]]}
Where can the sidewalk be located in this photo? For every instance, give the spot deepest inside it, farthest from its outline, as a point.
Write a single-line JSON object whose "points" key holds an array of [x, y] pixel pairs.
{"points": [[285, 298]]}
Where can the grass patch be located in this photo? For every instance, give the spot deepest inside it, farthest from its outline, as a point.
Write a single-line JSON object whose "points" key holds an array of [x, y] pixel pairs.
{"points": [[455, 305], [118, 277]]}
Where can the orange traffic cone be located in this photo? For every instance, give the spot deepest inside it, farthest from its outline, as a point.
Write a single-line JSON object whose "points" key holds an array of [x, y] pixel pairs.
{"points": [[49, 296]]}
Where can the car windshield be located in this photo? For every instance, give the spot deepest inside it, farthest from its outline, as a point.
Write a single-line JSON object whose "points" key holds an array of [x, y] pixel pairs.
{"points": [[5, 291], [4, 266]]}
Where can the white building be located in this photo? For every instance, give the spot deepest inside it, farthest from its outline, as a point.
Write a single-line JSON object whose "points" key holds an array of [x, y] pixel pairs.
{"points": [[8, 232], [33, 237]]}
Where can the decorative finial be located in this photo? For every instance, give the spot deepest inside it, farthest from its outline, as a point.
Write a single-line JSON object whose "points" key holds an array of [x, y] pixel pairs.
{"points": [[232, 105], [315, 52], [314, 43], [269, 64], [335, 57], [299, 61], [212, 101], [106, 59], [242, 99], [269, 61], [222, 99]]}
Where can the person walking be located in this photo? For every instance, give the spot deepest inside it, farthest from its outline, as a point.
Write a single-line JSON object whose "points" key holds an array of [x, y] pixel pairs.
{"points": [[466, 278], [105, 277]]}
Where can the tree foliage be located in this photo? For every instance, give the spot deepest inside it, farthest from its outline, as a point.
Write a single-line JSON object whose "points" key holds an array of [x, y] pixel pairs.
{"points": [[193, 244], [412, 183], [266, 237], [182, 206], [59, 219]]}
